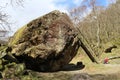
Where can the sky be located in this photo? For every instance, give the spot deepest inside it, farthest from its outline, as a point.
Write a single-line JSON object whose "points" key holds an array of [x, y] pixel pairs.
{"points": [[19, 16]]}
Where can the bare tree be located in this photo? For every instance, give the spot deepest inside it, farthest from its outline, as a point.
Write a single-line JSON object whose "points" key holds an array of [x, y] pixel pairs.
{"points": [[94, 26], [17, 2], [4, 23], [101, 25]]}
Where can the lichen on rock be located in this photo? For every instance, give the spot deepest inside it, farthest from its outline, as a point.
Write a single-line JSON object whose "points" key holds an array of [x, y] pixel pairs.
{"points": [[46, 43]]}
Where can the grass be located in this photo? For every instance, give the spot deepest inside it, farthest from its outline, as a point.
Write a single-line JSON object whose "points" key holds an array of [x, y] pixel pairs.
{"points": [[100, 71], [98, 68]]}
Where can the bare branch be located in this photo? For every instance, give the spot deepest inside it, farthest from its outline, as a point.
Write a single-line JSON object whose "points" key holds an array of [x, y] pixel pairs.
{"points": [[4, 23], [16, 2]]}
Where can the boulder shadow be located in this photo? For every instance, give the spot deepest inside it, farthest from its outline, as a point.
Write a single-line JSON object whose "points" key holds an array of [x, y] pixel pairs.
{"points": [[73, 67]]}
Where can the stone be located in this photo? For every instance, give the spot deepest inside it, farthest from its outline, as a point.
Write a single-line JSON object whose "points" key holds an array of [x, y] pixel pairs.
{"points": [[46, 43], [109, 48]]}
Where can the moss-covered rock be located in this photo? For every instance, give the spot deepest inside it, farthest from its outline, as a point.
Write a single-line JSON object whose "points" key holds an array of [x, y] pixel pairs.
{"points": [[46, 43]]}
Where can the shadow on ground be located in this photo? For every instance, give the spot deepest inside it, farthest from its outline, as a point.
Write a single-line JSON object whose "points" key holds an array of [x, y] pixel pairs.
{"points": [[73, 67]]}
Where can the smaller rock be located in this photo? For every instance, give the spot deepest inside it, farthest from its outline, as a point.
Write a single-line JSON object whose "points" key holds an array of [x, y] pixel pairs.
{"points": [[80, 65], [109, 49]]}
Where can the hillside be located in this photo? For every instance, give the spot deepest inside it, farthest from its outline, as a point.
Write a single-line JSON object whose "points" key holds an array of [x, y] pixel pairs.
{"points": [[101, 26]]}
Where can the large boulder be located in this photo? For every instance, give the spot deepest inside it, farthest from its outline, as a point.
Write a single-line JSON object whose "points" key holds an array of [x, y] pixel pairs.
{"points": [[46, 43]]}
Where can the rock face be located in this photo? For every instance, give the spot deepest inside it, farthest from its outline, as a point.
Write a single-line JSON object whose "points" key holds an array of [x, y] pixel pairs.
{"points": [[46, 43]]}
